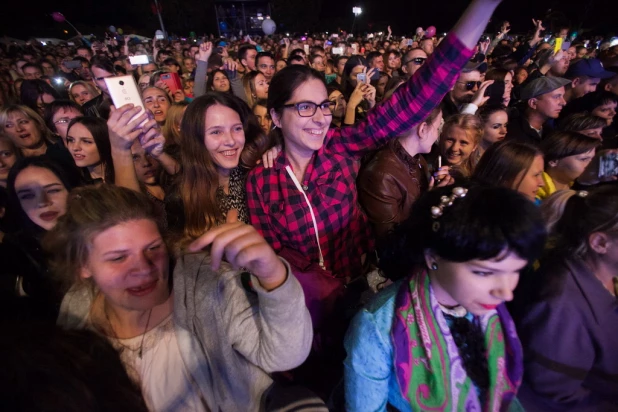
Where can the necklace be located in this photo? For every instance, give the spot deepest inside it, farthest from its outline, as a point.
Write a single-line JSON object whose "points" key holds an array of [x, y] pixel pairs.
{"points": [[141, 345]]}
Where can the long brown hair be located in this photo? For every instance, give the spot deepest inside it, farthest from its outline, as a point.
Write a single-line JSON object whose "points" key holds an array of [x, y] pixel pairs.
{"points": [[199, 176]]}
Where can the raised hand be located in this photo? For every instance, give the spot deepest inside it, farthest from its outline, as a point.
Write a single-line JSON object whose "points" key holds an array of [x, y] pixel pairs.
{"points": [[370, 95], [151, 139], [268, 158], [441, 178], [123, 129], [243, 246], [204, 52], [357, 95], [479, 97]]}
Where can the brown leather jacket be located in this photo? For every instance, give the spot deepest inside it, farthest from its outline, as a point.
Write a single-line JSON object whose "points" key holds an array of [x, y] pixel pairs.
{"points": [[389, 184]]}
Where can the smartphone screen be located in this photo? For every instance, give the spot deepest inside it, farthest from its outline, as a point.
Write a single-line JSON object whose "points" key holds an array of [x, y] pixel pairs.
{"points": [[123, 90], [608, 165], [337, 50], [140, 59], [361, 77]]}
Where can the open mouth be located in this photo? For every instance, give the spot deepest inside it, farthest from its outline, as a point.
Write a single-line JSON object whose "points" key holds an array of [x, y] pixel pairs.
{"points": [[229, 153], [78, 157], [48, 216], [24, 136], [315, 132], [488, 307], [143, 290], [158, 113]]}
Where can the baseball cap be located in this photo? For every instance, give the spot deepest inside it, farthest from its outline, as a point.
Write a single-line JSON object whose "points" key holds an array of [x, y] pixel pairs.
{"points": [[542, 85], [474, 65], [589, 67]]}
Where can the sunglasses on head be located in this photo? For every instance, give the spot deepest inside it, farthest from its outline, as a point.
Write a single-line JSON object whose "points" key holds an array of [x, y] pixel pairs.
{"points": [[417, 60], [470, 85]]}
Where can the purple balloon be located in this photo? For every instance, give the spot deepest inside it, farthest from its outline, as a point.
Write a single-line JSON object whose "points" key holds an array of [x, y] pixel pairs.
{"points": [[59, 17], [430, 32]]}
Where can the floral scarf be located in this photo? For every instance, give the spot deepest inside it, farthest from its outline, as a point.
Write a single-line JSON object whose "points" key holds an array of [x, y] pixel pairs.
{"points": [[429, 369]]}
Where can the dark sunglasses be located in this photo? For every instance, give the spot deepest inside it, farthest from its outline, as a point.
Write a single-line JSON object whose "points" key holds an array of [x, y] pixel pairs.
{"points": [[417, 60], [470, 85]]}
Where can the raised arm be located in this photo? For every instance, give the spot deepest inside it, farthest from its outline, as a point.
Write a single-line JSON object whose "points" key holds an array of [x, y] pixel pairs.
{"points": [[199, 87], [415, 100], [122, 133], [274, 332]]}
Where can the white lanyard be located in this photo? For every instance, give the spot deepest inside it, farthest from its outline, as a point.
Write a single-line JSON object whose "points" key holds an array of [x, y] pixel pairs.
{"points": [[315, 223]]}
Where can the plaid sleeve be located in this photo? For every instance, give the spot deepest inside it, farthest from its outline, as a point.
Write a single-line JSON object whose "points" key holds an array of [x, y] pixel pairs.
{"points": [[409, 105], [259, 214]]}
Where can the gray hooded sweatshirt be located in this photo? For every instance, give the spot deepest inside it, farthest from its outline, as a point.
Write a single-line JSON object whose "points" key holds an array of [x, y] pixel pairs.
{"points": [[230, 339]]}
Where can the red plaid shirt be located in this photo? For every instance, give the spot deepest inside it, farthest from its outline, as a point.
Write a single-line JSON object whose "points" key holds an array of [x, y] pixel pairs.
{"points": [[279, 211]]}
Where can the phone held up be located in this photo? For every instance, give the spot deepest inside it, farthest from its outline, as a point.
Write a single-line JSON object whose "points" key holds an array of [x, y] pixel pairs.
{"points": [[123, 90], [172, 80], [140, 59], [608, 165]]}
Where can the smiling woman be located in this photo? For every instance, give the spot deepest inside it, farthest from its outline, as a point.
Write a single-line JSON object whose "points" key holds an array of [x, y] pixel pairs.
{"points": [[220, 139], [459, 143], [174, 325]]}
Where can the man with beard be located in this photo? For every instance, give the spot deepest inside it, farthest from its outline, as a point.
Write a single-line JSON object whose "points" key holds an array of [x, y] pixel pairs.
{"points": [[464, 90]]}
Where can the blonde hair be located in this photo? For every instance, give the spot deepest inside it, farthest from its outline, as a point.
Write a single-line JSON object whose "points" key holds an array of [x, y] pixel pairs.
{"points": [[93, 90], [572, 216], [473, 126], [171, 128], [552, 208], [248, 82], [90, 211], [6, 111]]}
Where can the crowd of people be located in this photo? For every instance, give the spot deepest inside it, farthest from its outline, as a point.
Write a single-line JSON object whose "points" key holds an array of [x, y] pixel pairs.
{"points": [[312, 222]]}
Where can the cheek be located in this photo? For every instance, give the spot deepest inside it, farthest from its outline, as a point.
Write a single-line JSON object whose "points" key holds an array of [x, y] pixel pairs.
{"points": [[108, 277]]}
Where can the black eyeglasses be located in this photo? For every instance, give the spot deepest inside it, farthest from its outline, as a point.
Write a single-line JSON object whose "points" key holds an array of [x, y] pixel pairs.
{"points": [[417, 60], [470, 85], [308, 109]]}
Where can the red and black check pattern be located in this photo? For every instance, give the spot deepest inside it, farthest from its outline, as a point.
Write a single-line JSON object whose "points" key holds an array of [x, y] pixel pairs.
{"points": [[279, 211]]}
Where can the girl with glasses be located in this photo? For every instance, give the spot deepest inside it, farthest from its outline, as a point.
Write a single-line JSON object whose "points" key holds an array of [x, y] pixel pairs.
{"points": [[323, 162]]}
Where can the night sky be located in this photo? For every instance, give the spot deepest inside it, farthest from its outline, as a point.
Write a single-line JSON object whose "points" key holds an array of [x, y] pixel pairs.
{"points": [[22, 19]]}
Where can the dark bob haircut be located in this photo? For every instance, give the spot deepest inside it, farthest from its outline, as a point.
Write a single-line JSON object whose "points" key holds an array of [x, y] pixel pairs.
{"points": [[481, 225]]}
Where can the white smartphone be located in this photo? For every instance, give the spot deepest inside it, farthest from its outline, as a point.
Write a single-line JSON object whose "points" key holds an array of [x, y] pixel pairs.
{"points": [[159, 36], [306, 47], [123, 90], [337, 50], [140, 59]]}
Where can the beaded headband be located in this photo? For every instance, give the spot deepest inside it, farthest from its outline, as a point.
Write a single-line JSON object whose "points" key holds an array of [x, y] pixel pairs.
{"points": [[446, 201]]}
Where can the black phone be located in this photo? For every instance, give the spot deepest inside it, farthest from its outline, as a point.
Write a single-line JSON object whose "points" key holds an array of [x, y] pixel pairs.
{"points": [[375, 75], [495, 92]]}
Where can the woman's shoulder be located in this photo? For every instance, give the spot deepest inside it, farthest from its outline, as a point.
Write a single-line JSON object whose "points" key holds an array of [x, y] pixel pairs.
{"points": [[381, 309], [75, 307]]}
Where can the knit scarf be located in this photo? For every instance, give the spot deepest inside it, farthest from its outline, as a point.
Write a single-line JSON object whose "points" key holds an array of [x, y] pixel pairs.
{"points": [[428, 365]]}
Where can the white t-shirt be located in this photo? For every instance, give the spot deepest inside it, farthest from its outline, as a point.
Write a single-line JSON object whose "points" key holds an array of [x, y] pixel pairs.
{"points": [[166, 384]]}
